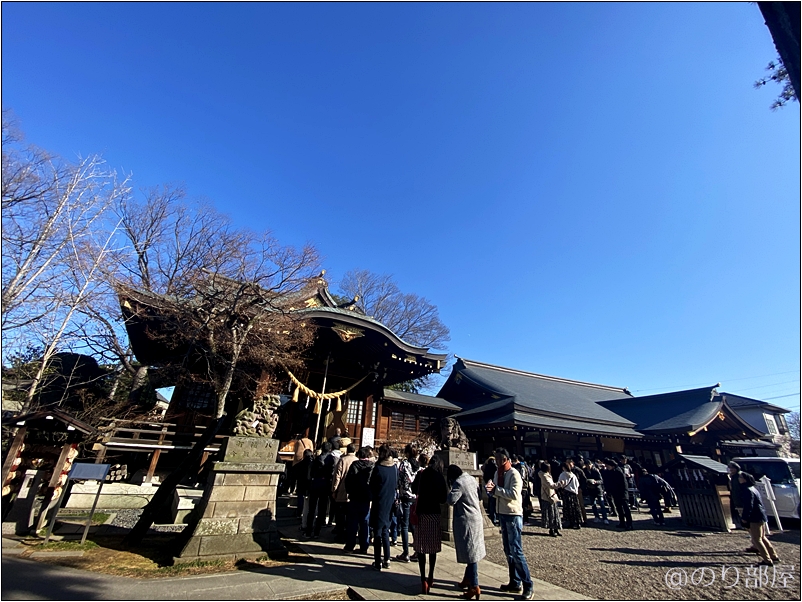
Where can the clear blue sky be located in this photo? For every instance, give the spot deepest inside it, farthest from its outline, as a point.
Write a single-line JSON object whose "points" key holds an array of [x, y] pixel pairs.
{"points": [[586, 190]]}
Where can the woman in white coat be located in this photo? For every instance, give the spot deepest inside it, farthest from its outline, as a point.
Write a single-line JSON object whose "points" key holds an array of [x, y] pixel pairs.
{"points": [[468, 527]]}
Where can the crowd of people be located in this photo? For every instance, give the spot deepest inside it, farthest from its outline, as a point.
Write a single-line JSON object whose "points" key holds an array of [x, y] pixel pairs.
{"points": [[378, 497], [565, 489]]}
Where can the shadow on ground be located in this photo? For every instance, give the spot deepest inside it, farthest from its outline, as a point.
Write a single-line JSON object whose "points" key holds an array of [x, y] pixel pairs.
{"points": [[30, 580]]}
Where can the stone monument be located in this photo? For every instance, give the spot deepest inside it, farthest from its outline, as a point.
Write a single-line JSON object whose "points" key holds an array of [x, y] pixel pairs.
{"points": [[447, 435], [236, 517]]}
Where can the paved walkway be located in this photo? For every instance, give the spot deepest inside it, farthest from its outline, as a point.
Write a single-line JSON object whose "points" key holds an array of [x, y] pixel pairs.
{"points": [[402, 580], [327, 570]]}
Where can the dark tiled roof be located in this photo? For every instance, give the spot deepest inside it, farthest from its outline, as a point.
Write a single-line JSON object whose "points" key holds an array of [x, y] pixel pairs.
{"points": [[669, 412], [738, 401], [360, 319], [531, 391], [564, 424], [751, 443], [421, 400], [704, 462], [48, 418]]}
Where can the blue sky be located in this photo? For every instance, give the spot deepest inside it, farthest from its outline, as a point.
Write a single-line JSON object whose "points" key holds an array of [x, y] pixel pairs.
{"points": [[588, 190]]}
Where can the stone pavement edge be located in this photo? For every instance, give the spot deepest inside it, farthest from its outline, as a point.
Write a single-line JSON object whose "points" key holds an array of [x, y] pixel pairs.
{"points": [[328, 569]]}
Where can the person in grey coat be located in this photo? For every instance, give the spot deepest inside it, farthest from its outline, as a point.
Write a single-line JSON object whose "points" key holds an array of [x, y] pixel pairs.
{"points": [[469, 538]]}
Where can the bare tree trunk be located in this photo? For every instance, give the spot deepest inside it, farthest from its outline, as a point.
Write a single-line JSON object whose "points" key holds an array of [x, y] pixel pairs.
{"points": [[166, 490], [116, 384], [73, 304], [138, 385]]}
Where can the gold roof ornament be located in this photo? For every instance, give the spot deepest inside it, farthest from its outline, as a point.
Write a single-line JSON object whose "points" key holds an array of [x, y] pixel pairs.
{"points": [[347, 333]]}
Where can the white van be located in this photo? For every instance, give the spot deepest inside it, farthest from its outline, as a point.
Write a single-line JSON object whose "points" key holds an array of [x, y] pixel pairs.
{"points": [[784, 475]]}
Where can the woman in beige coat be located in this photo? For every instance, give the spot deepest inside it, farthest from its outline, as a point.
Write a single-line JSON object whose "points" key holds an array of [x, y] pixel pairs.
{"points": [[548, 501]]}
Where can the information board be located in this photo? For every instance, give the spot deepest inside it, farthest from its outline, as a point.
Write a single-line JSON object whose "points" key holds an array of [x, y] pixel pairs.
{"points": [[89, 472], [368, 437]]}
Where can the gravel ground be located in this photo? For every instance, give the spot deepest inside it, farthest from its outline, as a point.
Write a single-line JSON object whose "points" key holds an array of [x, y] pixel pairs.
{"points": [[601, 562], [127, 519]]}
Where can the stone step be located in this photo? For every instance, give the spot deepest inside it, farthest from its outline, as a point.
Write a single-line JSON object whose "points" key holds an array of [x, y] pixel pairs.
{"points": [[286, 501]]}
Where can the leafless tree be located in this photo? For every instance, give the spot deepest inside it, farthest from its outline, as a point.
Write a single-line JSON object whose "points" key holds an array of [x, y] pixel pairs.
{"points": [[55, 236], [237, 310], [410, 316], [793, 425], [244, 312]]}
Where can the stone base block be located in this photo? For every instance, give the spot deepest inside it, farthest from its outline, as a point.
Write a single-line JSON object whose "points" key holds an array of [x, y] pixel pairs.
{"points": [[235, 518], [240, 545]]}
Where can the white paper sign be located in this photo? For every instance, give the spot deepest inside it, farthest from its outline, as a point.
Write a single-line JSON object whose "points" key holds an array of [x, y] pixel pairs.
{"points": [[368, 437]]}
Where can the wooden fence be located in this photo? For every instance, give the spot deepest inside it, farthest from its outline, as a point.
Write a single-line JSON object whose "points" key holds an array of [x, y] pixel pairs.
{"points": [[702, 503], [151, 437]]}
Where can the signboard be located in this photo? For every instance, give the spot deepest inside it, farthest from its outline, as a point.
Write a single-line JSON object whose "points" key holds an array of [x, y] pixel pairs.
{"points": [[89, 472], [368, 437], [81, 471]]}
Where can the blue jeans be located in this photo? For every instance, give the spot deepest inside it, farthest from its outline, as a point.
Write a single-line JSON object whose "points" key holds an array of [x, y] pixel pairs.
{"points": [[471, 576], [393, 529], [403, 525], [596, 501], [357, 528], [381, 542], [511, 530]]}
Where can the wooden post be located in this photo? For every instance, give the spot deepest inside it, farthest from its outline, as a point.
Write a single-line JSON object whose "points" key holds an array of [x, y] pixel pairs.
{"points": [[13, 451], [152, 468], [57, 469], [101, 455], [155, 459], [55, 513]]}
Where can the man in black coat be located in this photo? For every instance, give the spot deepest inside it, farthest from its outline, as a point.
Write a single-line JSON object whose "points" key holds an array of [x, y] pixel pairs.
{"points": [[616, 485], [651, 489], [489, 470], [358, 509], [737, 494], [301, 470], [320, 474]]}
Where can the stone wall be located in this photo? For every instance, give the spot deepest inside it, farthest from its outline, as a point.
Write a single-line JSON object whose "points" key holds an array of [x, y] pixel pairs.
{"points": [[236, 515]]}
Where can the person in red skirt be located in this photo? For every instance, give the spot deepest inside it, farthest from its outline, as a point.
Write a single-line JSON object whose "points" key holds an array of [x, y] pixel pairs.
{"points": [[431, 491]]}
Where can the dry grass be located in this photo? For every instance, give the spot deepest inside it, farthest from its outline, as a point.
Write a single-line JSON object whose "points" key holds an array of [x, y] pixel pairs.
{"points": [[151, 560]]}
